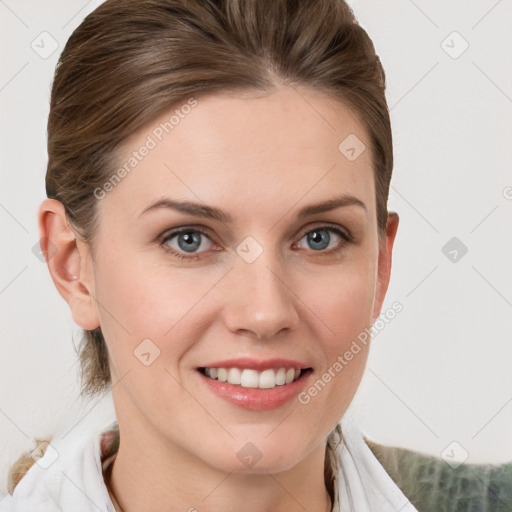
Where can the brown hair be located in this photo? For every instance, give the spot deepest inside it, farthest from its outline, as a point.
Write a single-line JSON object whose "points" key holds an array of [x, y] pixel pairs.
{"points": [[131, 60]]}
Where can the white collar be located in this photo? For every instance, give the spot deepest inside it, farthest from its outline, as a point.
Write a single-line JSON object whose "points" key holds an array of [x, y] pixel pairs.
{"points": [[363, 483], [73, 481]]}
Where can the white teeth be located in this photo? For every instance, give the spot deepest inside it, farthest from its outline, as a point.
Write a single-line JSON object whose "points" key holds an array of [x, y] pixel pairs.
{"points": [[267, 379], [281, 376], [249, 378], [234, 376]]}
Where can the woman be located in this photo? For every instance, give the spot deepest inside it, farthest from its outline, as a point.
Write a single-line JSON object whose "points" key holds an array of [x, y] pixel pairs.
{"points": [[217, 222]]}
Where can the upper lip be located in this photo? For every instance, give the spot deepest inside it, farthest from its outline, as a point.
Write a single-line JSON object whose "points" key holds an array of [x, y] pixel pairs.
{"points": [[255, 364]]}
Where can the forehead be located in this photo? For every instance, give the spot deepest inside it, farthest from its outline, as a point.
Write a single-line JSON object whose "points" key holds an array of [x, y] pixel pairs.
{"points": [[247, 152]]}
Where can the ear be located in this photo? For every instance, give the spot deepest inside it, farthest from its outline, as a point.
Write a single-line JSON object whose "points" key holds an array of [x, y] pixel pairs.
{"points": [[384, 264], [69, 262]]}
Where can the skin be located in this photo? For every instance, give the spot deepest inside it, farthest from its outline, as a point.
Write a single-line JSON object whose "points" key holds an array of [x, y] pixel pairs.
{"points": [[260, 157]]}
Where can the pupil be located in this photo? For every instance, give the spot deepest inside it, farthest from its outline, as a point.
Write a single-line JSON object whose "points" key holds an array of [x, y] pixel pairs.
{"points": [[317, 239], [189, 239]]}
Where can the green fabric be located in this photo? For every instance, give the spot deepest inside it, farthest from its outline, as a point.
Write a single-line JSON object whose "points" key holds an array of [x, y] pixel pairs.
{"points": [[434, 486]]}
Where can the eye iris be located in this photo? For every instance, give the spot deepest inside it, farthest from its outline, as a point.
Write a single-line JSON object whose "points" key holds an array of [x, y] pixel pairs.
{"points": [[317, 238], [190, 238]]}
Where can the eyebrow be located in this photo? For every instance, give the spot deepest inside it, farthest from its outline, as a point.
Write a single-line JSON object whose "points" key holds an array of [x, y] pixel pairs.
{"points": [[210, 212]]}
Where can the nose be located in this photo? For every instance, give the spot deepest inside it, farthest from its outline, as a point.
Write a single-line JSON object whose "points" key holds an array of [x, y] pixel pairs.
{"points": [[261, 302]]}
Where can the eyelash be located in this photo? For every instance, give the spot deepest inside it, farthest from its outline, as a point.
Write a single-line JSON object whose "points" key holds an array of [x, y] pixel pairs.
{"points": [[347, 237]]}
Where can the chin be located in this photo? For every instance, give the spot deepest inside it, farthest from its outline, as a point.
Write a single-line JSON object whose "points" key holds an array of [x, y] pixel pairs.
{"points": [[259, 456]]}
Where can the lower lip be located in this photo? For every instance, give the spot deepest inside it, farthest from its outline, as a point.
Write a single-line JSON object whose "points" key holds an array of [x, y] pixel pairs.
{"points": [[255, 398]]}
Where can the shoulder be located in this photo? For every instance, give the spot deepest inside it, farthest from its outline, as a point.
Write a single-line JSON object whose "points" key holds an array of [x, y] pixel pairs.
{"points": [[82, 451], [431, 484], [24, 462], [65, 472]]}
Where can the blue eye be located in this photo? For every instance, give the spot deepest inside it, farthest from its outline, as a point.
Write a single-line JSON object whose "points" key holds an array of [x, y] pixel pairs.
{"points": [[319, 238], [189, 241]]}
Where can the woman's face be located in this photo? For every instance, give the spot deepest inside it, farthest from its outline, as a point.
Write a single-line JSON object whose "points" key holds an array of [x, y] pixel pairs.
{"points": [[261, 273]]}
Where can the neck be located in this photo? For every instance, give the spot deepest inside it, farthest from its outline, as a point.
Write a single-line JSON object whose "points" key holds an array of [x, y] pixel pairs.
{"points": [[186, 484]]}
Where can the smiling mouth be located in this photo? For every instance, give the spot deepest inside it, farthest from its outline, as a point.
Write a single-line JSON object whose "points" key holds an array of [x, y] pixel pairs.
{"points": [[249, 378]]}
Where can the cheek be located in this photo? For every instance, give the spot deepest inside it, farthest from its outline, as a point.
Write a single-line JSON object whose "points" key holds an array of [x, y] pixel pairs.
{"points": [[138, 301], [344, 303], [344, 306], [144, 296], [343, 300]]}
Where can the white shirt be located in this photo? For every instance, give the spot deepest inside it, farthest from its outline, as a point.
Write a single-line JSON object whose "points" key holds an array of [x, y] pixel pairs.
{"points": [[69, 477]]}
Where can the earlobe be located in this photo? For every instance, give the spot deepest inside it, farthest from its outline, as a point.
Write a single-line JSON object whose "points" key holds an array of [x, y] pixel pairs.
{"points": [[384, 263], [68, 267]]}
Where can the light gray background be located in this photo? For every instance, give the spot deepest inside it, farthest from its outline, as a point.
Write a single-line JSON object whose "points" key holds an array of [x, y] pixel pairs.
{"points": [[440, 371]]}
